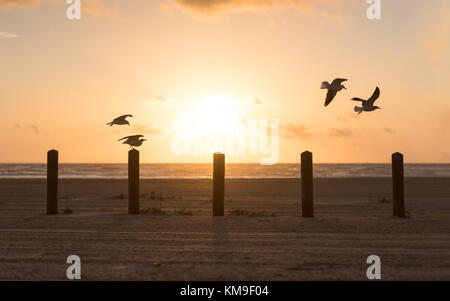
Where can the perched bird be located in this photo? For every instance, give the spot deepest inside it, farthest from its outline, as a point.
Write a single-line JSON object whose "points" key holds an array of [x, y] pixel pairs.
{"points": [[133, 141], [335, 87], [367, 105], [120, 120]]}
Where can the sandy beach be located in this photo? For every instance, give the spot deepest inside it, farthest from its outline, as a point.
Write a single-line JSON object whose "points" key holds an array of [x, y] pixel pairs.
{"points": [[261, 237]]}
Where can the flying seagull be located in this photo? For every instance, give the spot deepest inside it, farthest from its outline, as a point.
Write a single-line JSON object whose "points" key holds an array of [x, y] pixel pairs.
{"points": [[335, 87], [367, 105], [133, 141], [120, 120]]}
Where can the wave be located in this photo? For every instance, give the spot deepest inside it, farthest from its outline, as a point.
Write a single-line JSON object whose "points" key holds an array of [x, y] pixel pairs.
{"points": [[202, 171]]}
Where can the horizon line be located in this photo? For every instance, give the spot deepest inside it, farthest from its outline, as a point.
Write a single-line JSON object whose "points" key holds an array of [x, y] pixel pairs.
{"points": [[247, 163]]}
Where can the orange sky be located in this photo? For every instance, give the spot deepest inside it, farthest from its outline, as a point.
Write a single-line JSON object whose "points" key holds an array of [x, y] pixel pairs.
{"points": [[61, 81]]}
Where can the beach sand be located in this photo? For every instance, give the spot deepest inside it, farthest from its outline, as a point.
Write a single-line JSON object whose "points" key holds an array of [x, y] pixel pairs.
{"points": [[269, 240]]}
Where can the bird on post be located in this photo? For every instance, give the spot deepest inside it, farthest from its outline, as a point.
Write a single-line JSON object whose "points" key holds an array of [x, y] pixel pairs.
{"points": [[121, 120], [368, 105], [333, 88], [133, 141]]}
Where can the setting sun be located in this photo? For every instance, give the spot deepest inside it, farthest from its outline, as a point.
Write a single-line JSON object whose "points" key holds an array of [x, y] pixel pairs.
{"points": [[215, 115], [208, 122]]}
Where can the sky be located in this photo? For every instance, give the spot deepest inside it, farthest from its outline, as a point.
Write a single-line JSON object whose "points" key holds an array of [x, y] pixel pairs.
{"points": [[182, 64]]}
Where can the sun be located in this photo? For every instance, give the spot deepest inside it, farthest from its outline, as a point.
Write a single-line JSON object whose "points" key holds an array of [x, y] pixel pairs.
{"points": [[210, 119], [215, 115], [211, 116]]}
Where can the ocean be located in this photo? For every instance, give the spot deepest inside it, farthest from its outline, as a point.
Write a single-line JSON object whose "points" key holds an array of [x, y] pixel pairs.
{"points": [[193, 171]]}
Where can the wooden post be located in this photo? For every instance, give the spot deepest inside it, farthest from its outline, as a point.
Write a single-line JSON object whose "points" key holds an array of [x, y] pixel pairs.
{"points": [[307, 184], [398, 185], [52, 182], [133, 182], [218, 184]]}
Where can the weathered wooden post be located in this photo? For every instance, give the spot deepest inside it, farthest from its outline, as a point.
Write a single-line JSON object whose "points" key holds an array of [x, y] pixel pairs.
{"points": [[218, 184], [398, 185], [133, 182], [307, 184], [52, 182]]}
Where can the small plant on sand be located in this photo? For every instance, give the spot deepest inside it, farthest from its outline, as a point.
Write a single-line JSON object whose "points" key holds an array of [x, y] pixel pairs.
{"points": [[153, 211], [120, 196], [67, 210], [152, 196], [236, 211], [161, 199], [183, 211], [383, 200]]}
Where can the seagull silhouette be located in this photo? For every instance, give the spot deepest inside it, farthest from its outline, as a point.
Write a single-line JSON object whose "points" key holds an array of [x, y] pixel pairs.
{"points": [[121, 120], [133, 141], [335, 87], [367, 105]]}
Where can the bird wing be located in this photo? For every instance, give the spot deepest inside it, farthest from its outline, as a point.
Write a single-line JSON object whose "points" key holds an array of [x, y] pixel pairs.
{"points": [[338, 81], [330, 96], [374, 96], [325, 85], [135, 137], [359, 110], [123, 117], [359, 99]]}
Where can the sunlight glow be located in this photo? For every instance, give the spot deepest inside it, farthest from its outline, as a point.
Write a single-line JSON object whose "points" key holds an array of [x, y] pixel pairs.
{"points": [[214, 115], [209, 120]]}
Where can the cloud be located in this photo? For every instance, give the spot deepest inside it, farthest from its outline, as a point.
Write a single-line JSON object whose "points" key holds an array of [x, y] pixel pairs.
{"points": [[389, 130], [341, 133], [445, 157], [442, 122], [257, 101], [155, 100], [35, 129], [160, 98], [8, 35], [145, 129], [437, 40], [91, 7], [99, 8], [30, 128], [346, 118], [214, 7], [293, 131], [22, 3]]}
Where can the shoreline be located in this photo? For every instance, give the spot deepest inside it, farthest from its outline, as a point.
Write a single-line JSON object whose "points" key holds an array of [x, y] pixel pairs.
{"points": [[234, 171], [210, 178]]}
